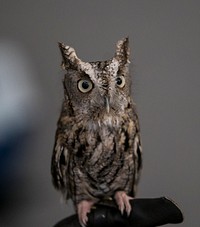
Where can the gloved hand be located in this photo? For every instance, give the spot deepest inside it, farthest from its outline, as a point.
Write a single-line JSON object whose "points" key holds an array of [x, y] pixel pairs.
{"points": [[145, 213]]}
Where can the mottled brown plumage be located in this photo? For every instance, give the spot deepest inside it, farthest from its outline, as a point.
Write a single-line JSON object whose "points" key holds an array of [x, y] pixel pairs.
{"points": [[97, 148]]}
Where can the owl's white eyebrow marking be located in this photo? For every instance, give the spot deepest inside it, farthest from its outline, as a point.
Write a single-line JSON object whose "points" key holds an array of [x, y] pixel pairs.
{"points": [[114, 64], [88, 69], [113, 67]]}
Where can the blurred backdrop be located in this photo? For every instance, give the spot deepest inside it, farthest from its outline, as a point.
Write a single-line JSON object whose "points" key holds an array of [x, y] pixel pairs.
{"points": [[164, 38]]}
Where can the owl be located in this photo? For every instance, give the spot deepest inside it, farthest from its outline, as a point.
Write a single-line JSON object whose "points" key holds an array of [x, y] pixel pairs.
{"points": [[97, 153]]}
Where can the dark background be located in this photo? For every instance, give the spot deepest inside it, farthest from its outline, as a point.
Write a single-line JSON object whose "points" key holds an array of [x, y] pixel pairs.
{"points": [[164, 39]]}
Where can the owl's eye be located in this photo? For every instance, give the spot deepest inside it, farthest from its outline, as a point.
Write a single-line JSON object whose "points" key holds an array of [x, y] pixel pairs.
{"points": [[120, 81], [85, 85]]}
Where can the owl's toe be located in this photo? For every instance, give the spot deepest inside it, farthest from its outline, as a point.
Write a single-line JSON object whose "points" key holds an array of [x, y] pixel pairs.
{"points": [[83, 208], [122, 200]]}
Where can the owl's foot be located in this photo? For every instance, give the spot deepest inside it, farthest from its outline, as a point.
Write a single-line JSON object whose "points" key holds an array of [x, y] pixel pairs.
{"points": [[122, 200], [83, 208]]}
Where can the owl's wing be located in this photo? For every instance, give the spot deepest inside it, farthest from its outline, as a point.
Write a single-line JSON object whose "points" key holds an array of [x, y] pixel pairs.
{"points": [[137, 162], [137, 154], [61, 154], [138, 157], [59, 164]]}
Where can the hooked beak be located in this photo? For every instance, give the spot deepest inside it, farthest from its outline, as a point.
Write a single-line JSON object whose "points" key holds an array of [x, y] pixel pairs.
{"points": [[107, 104]]}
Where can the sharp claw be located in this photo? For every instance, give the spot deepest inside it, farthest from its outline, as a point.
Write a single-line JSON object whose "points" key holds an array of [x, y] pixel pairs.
{"points": [[122, 209], [83, 208], [84, 222], [127, 204], [128, 211], [122, 200], [83, 219]]}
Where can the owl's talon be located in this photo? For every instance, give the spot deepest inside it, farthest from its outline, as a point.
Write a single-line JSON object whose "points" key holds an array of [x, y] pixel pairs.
{"points": [[122, 210], [83, 208], [122, 200]]}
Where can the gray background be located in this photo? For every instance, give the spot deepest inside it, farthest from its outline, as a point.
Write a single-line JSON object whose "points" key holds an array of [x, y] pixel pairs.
{"points": [[164, 38]]}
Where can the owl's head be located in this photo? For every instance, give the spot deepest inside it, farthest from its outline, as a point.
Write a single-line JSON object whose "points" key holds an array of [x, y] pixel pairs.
{"points": [[96, 88]]}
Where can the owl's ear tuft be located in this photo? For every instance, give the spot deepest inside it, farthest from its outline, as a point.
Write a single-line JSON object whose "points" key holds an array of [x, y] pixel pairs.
{"points": [[69, 57], [123, 51]]}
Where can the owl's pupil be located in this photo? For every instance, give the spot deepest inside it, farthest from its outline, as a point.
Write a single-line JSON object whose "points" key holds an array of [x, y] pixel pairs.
{"points": [[85, 85], [119, 81]]}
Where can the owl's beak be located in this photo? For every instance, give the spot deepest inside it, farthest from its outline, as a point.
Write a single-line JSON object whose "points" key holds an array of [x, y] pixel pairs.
{"points": [[107, 104]]}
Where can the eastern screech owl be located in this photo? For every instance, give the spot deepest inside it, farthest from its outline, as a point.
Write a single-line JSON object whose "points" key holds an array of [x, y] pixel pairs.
{"points": [[97, 151]]}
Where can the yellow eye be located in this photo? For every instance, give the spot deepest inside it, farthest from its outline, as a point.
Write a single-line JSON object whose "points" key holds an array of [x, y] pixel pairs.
{"points": [[85, 85], [120, 81]]}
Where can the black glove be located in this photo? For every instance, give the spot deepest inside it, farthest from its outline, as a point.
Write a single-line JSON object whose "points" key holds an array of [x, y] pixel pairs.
{"points": [[145, 213]]}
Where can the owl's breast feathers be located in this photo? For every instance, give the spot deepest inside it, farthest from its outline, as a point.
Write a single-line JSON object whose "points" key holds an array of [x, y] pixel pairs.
{"points": [[93, 159]]}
